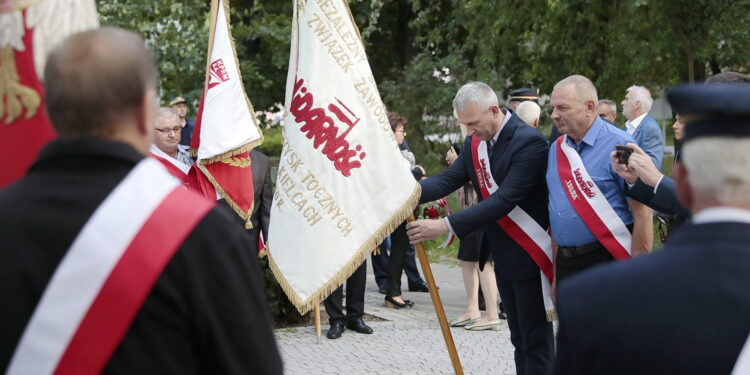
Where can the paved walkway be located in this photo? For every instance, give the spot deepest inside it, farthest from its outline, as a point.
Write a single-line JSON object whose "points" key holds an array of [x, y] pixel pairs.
{"points": [[408, 341]]}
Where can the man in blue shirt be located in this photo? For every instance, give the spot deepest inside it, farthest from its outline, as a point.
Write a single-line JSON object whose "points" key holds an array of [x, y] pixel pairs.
{"points": [[574, 101]]}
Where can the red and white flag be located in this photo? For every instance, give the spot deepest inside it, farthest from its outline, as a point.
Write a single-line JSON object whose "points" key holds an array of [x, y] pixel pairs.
{"points": [[226, 128], [28, 31], [342, 184]]}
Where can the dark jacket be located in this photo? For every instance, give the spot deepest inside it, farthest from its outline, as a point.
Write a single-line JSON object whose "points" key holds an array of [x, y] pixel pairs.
{"points": [[206, 312], [518, 163], [684, 310]]}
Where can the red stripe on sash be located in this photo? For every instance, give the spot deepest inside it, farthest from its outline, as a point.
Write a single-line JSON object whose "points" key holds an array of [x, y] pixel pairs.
{"points": [[593, 222], [171, 168], [509, 226], [122, 295]]}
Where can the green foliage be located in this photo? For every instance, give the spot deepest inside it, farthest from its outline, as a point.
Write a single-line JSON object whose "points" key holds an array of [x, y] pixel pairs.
{"points": [[282, 310], [177, 34], [421, 51], [271, 141]]}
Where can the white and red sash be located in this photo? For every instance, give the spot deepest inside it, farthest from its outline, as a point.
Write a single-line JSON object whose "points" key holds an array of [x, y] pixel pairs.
{"points": [[175, 167], [742, 365], [589, 202], [106, 275], [521, 227]]}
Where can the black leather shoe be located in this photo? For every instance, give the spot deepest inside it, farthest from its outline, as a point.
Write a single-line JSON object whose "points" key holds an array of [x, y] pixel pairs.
{"points": [[382, 288], [359, 326], [393, 304], [335, 331], [419, 288]]}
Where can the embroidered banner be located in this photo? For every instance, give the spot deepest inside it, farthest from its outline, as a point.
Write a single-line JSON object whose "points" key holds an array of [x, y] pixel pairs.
{"points": [[226, 128], [342, 184], [28, 32]]}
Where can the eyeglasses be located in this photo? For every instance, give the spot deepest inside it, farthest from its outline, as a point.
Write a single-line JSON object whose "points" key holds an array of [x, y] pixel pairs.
{"points": [[176, 130], [401, 131]]}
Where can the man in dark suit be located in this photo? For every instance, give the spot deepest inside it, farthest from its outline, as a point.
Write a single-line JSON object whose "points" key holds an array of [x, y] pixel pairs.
{"points": [[263, 195], [204, 311], [685, 309], [518, 161]]}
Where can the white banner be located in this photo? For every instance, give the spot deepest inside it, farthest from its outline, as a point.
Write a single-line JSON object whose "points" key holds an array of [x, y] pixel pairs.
{"points": [[225, 120], [342, 184]]}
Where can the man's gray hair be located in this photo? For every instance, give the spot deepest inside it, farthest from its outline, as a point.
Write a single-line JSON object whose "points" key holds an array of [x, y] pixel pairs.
{"points": [[529, 112], [718, 167], [612, 106], [643, 96], [165, 113], [583, 87], [478, 93]]}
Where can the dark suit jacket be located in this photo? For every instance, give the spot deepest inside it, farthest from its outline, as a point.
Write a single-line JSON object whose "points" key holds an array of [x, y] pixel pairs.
{"points": [[665, 200], [206, 312], [261, 215], [683, 310], [518, 163]]}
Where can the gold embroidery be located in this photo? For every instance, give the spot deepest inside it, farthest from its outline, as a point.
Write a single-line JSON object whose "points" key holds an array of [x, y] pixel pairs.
{"points": [[237, 162], [14, 96]]}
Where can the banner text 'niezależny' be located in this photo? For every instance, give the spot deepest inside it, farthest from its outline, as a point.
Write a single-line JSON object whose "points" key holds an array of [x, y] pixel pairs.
{"points": [[347, 50]]}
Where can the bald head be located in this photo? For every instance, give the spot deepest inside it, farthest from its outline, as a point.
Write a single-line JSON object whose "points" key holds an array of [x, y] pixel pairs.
{"points": [[574, 102], [583, 87], [97, 81]]}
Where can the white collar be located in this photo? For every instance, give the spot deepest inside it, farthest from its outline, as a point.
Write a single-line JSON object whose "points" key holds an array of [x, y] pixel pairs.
{"points": [[722, 214], [505, 121], [632, 125]]}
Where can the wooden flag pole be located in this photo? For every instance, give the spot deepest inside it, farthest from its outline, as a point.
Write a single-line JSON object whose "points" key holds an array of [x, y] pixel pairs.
{"points": [[211, 31], [427, 271], [317, 321]]}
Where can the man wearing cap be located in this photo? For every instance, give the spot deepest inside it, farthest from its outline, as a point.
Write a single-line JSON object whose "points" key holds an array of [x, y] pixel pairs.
{"points": [[646, 316], [179, 104], [521, 95]]}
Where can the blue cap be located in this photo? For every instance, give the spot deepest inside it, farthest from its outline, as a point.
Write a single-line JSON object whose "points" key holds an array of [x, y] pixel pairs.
{"points": [[524, 94], [712, 110]]}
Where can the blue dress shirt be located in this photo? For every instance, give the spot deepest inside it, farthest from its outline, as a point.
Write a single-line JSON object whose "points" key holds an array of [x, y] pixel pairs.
{"points": [[567, 227]]}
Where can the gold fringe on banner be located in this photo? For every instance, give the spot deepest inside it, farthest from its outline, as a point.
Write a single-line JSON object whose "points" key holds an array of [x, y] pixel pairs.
{"points": [[360, 256], [244, 215], [551, 315]]}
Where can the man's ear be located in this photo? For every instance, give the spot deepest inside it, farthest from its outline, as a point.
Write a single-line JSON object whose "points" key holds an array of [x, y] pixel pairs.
{"points": [[495, 110], [684, 190], [590, 107]]}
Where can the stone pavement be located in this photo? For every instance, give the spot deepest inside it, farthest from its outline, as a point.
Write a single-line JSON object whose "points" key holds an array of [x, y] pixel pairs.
{"points": [[409, 341]]}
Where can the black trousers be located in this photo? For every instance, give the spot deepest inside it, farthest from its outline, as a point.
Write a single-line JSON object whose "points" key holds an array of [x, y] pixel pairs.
{"points": [[380, 267], [355, 298], [566, 267], [399, 247], [530, 332]]}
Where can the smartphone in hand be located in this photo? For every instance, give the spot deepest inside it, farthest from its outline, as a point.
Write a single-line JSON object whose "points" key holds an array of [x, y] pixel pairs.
{"points": [[623, 154]]}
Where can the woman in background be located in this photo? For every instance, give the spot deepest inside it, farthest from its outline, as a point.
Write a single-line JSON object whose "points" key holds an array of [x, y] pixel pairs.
{"points": [[468, 257]]}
